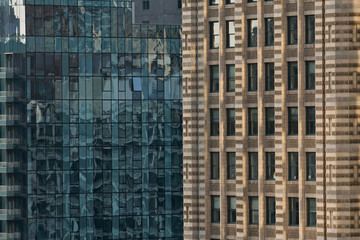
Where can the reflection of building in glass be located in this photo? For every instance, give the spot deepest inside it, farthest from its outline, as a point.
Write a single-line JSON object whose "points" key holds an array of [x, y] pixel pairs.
{"points": [[90, 123]]}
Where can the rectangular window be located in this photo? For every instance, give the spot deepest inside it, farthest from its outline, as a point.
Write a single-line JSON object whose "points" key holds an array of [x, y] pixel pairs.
{"points": [[214, 78], [311, 212], [230, 1], [214, 2], [214, 122], [270, 165], [293, 166], [253, 166], [179, 4], [230, 34], [270, 211], [269, 76], [310, 120], [293, 120], [146, 5], [214, 158], [137, 84], [215, 209], [310, 166], [214, 35], [292, 75], [309, 29], [231, 170], [252, 77], [252, 32], [293, 211], [253, 121], [231, 204], [269, 32], [230, 78], [292, 30], [230, 116], [253, 210], [269, 121], [310, 74], [251, 1]]}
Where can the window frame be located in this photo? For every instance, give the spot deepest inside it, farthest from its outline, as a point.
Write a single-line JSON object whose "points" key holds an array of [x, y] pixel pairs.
{"points": [[293, 166], [252, 36], [214, 130], [252, 123], [214, 36], [231, 212], [252, 77], [269, 121], [270, 212], [269, 76], [215, 212], [146, 4], [230, 36], [214, 81], [310, 120], [309, 29], [231, 165], [253, 166], [311, 212], [269, 33], [214, 156], [270, 166], [253, 212], [293, 124], [293, 76], [213, 2], [292, 31], [230, 122], [309, 76], [311, 166], [230, 78], [293, 211]]}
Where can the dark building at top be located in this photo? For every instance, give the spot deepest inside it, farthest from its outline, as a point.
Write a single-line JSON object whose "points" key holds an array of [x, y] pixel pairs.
{"points": [[90, 122]]}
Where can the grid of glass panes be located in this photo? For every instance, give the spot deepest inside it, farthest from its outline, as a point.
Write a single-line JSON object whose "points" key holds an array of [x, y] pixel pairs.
{"points": [[104, 123]]}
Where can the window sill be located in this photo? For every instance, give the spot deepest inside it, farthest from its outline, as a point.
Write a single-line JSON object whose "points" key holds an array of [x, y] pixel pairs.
{"points": [[230, 94], [294, 226], [292, 181], [269, 92], [270, 226], [269, 135], [214, 180], [269, 181]]}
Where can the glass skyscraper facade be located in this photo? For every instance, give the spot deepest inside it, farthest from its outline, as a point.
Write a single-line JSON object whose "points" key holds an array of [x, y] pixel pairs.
{"points": [[90, 122]]}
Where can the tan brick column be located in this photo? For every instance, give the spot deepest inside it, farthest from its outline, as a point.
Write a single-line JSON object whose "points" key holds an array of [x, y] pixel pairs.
{"points": [[302, 118], [245, 122], [222, 120], [207, 162], [261, 118]]}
